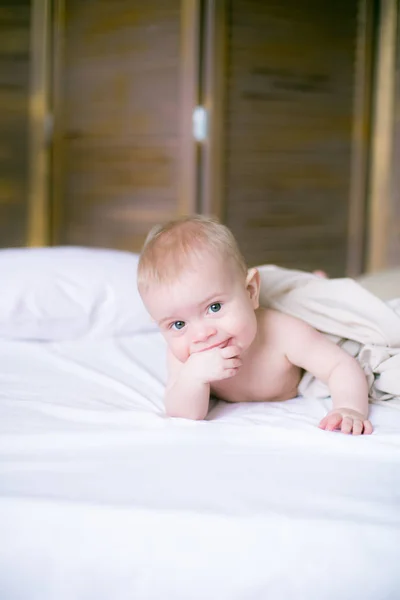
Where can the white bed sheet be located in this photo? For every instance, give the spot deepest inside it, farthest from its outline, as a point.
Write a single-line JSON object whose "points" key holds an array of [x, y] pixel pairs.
{"points": [[103, 498]]}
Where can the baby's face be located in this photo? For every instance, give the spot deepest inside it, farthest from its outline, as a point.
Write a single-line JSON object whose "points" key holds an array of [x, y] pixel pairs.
{"points": [[210, 305]]}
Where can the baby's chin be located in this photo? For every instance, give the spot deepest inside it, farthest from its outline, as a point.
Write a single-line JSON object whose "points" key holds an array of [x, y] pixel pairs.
{"points": [[181, 356], [245, 345]]}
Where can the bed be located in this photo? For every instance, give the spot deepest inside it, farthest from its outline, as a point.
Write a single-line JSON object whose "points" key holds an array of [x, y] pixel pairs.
{"points": [[102, 497]]}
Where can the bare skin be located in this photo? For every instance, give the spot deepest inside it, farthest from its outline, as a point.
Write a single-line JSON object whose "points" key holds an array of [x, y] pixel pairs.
{"points": [[280, 378], [220, 341]]}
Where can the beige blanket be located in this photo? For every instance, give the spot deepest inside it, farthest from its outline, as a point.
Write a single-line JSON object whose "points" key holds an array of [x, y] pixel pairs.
{"points": [[365, 326]]}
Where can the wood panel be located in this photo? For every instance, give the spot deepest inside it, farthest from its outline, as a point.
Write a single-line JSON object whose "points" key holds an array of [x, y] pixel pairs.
{"points": [[120, 120], [392, 230], [14, 122], [289, 130], [380, 193]]}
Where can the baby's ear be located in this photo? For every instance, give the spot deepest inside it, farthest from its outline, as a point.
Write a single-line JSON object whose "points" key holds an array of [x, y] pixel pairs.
{"points": [[253, 286]]}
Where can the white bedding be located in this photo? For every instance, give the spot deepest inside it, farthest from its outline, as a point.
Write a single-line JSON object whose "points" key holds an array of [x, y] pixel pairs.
{"points": [[103, 498]]}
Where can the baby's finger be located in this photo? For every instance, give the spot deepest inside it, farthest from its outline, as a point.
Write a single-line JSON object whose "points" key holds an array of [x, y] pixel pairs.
{"points": [[323, 422], [367, 427], [227, 373], [331, 422], [230, 351], [357, 427], [232, 363], [347, 425]]}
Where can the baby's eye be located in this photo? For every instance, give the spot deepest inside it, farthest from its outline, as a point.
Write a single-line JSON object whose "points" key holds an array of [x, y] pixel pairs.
{"points": [[178, 325], [215, 307]]}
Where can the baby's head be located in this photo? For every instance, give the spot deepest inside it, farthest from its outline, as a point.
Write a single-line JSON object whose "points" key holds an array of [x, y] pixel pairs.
{"points": [[195, 284]]}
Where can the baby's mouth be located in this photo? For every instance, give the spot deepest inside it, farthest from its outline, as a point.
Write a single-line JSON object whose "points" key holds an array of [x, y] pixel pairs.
{"points": [[220, 345], [226, 343]]}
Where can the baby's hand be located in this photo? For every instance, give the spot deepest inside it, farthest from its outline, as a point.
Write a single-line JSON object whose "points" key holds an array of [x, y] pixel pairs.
{"points": [[213, 365], [347, 420]]}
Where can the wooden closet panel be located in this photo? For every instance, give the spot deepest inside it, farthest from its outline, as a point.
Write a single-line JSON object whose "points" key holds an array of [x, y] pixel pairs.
{"points": [[394, 208], [288, 130], [14, 121], [120, 83]]}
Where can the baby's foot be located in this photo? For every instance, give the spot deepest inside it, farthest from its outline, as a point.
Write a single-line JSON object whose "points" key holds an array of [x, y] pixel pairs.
{"points": [[321, 274]]}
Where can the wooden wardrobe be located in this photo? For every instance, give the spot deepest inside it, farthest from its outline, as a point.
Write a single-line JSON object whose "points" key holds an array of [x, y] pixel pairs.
{"points": [[296, 151]]}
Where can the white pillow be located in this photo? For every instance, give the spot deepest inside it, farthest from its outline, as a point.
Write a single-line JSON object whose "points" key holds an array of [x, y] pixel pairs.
{"points": [[62, 293]]}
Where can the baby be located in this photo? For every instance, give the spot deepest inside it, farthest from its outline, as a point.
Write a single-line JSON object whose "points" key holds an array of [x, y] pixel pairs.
{"points": [[195, 284]]}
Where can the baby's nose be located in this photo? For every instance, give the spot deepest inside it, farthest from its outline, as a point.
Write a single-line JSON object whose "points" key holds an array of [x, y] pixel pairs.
{"points": [[203, 332]]}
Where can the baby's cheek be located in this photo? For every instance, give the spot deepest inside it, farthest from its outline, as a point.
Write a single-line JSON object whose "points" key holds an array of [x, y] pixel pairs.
{"points": [[248, 331], [180, 350]]}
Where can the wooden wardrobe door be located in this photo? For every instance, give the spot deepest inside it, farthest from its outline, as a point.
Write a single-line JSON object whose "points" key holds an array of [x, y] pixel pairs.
{"points": [[393, 242], [288, 130], [383, 243], [118, 123], [14, 121]]}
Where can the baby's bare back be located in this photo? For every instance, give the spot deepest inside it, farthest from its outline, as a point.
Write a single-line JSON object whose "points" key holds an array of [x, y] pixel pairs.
{"points": [[266, 373]]}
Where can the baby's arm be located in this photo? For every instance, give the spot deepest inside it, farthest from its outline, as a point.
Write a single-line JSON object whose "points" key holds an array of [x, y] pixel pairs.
{"points": [[185, 397], [188, 388], [312, 351]]}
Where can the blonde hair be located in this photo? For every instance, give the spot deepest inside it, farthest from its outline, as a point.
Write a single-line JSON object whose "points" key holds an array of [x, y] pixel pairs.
{"points": [[171, 248]]}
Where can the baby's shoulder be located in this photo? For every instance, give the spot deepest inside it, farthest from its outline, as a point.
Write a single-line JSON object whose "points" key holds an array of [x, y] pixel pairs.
{"points": [[278, 325], [268, 317]]}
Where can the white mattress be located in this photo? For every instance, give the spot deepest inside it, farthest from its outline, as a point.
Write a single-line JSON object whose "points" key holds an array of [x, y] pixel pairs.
{"points": [[103, 498]]}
